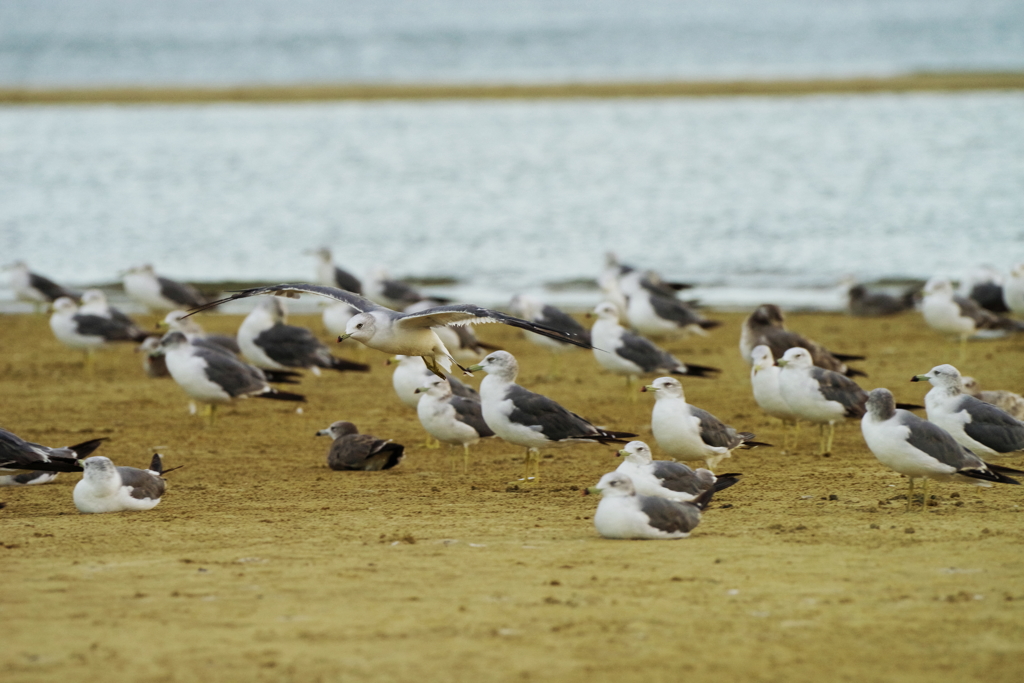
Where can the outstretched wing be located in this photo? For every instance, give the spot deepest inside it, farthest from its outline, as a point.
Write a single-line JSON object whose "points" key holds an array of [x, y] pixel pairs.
{"points": [[470, 314], [293, 291]]}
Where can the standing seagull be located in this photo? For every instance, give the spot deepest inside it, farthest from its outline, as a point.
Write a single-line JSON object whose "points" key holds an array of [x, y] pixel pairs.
{"points": [[411, 373], [214, 377], [818, 395], [956, 316], [179, 321], [764, 380], [362, 452], [407, 334], [536, 311], [766, 325], [921, 449], [451, 419], [667, 478], [35, 288], [654, 315], [689, 433], [1013, 289], [159, 293], [89, 332], [624, 353], [625, 514], [269, 343], [391, 293], [979, 426], [526, 419], [332, 276], [106, 488]]}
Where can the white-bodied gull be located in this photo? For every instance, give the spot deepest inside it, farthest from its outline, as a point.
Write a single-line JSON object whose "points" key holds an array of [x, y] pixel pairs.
{"points": [[536, 311], [668, 478], [766, 326], [620, 351], [451, 419], [921, 449], [89, 332], [158, 293], [268, 342], [35, 288], [214, 377], [105, 487], [653, 314], [1013, 289], [689, 433], [180, 321], [959, 317], [531, 420], [982, 427], [353, 451], [625, 514], [407, 334]]}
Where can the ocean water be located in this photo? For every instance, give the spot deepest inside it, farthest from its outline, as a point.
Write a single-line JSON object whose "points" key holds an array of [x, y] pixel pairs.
{"points": [[160, 42], [740, 195]]}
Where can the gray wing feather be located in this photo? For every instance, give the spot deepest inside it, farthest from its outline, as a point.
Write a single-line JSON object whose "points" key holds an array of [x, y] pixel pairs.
{"points": [[991, 426], [234, 376], [560, 320], [469, 412], [714, 432], [840, 388], [463, 390], [180, 293], [293, 290], [108, 328], [144, 484], [930, 438], [292, 346], [555, 422], [674, 310], [50, 289], [668, 515], [645, 353], [676, 476]]}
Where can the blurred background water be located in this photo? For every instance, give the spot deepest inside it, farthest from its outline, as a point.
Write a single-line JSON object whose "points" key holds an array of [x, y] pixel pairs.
{"points": [[753, 198]]}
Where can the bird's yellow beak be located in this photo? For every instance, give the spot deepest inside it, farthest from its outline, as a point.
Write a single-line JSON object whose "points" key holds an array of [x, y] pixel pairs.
{"points": [[474, 368]]}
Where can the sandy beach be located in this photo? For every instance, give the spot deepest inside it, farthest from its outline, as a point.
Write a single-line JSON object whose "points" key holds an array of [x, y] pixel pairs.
{"points": [[261, 564]]}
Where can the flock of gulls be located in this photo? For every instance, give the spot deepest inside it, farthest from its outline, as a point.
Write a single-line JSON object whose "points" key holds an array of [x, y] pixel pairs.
{"points": [[793, 379]]}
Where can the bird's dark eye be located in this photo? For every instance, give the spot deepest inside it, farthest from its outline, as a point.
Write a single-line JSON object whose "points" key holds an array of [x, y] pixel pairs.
{"points": [[359, 326]]}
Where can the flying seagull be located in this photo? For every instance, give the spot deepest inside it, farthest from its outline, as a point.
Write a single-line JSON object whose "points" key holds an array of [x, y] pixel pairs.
{"points": [[979, 426], [451, 419], [268, 342], [159, 293], [526, 419], [625, 514], [214, 377], [620, 351], [766, 325], [689, 433], [668, 478], [921, 449], [407, 334], [351, 450], [107, 488]]}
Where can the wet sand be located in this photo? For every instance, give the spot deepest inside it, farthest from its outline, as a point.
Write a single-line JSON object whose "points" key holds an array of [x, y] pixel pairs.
{"points": [[260, 564]]}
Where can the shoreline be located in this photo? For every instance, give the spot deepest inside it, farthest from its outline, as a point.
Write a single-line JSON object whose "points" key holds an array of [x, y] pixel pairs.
{"points": [[915, 82]]}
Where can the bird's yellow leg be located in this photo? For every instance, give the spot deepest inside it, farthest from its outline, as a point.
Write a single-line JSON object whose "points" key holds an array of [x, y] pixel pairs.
{"points": [[465, 458], [910, 493]]}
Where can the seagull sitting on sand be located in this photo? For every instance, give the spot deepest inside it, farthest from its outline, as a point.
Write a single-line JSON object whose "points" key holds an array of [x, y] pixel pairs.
{"points": [[353, 451], [921, 449], [36, 464], [267, 342], [766, 325], [526, 419], [689, 433], [35, 288], [158, 293], [451, 419], [622, 352], [865, 304], [655, 315], [407, 334], [536, 311], [106, 488], [1008, 401], [668, 478], [625, 514], [214, 377], [981, 427]]}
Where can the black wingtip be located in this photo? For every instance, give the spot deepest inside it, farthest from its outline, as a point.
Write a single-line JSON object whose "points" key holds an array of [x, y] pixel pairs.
{"points": [[690, 370]]}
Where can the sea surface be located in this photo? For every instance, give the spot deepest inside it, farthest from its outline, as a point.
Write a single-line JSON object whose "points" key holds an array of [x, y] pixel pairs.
{"points": [[742, 196], [45, 43]]}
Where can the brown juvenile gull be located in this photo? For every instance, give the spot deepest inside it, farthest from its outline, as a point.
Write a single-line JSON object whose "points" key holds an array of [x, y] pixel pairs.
{"points": [[354, 451], [766, 325]]}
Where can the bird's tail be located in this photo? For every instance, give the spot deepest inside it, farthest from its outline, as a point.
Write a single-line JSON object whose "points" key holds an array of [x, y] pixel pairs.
{"points": [[692, 370], [342, 365], [703, 498], [282, 376], [748, 441], [988, 474], [724, 481], [606, 437], [709, 324], [280, 395], [87, 447], [846, 357]]}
